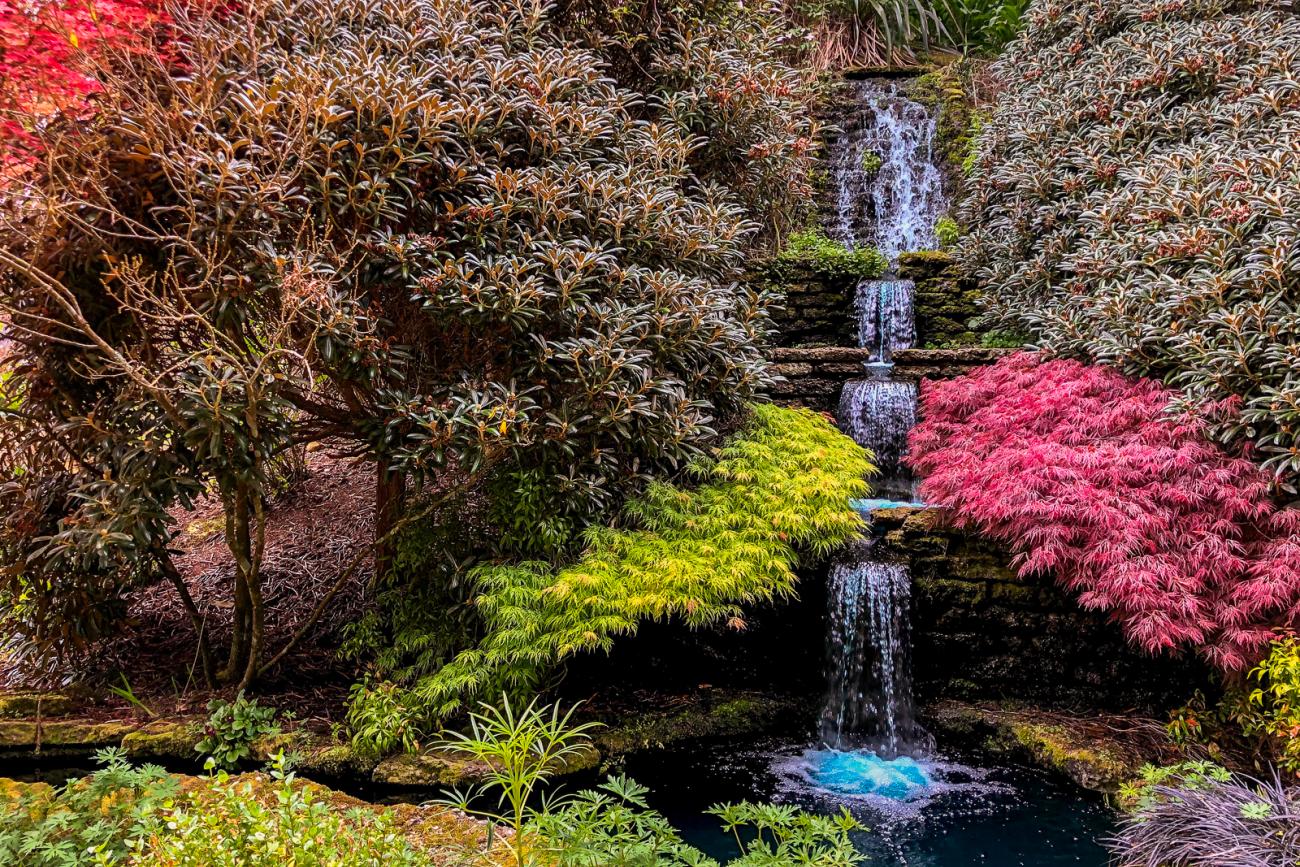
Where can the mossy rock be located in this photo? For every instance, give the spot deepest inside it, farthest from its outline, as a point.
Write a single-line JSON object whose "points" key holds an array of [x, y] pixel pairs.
{"points": [[428, 769], [1077, 747], [36, 704], [726, 716], [173, 739], [29, 734], [924, 264]]}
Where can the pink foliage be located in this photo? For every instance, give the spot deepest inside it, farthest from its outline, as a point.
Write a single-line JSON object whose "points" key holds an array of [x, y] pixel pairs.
{"points": [[1088, 477], [47, 51]]}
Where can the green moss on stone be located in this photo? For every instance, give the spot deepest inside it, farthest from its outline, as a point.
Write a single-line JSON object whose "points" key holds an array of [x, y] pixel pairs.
{"points": [[164, 739], [28, 734], [738, 715], [34, 704], [1077, 747]]}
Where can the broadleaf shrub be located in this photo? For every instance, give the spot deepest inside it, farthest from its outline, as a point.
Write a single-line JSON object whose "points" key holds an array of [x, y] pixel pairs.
{"points": [[781, 486], [434, 235], [1086, 475], [1272, 703], [1135, 202]]}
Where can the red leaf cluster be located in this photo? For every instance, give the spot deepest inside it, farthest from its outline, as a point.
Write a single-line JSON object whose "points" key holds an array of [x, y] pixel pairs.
{"points": [[1086, 475], [47, 49]]}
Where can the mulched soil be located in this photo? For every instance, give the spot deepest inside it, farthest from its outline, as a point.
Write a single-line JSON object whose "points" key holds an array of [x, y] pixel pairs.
{"points": [[315, 530]]}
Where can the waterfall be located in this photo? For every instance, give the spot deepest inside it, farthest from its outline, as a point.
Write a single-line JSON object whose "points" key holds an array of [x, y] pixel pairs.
{"points": [[888, 190], [870, 701], [889, 193], [885, 318], [878, 414]]}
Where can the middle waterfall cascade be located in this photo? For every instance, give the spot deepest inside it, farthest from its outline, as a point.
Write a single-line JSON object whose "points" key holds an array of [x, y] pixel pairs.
{"points": [[885, 318], [889, 194], [878, 413]]}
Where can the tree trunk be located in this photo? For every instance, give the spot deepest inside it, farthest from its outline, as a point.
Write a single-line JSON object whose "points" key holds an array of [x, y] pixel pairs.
{"points": [[200, 624], [390, 498]]}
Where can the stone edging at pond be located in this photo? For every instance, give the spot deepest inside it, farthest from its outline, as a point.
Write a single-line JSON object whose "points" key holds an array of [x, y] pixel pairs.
{"points": [[1099, 752], [704, 714]]}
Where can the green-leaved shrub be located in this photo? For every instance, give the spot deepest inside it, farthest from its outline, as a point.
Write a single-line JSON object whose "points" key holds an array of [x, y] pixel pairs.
{"points": [[232, 727], [782, 486], [89, 820], [1136, 201]]}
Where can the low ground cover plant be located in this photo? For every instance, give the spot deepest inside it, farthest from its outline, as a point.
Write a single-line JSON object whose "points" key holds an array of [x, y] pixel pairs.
{"points": [[95, 819], [231, 728], [1198, 814]]}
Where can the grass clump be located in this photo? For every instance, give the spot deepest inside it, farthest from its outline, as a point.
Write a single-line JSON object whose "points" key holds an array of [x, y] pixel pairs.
{"points": [[782, 485]]}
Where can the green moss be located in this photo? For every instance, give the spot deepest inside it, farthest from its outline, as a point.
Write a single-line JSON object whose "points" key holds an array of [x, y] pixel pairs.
{"points": [[28, 734], [739, 715], [1091, 763], [164, 739], [811, 249], [1090, 754], [871, 162], [946, 90], [1003, 340], [36, 704]]}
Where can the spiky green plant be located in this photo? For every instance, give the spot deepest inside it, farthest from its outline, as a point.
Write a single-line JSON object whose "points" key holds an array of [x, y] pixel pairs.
{"points": [[1136, 201], [783, 485]]}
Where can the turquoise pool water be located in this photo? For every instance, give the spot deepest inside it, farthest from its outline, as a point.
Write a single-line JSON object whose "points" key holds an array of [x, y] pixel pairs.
{"points": [[953, 812]]}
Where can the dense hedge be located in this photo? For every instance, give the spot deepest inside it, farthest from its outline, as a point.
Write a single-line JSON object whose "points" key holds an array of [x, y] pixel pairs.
{"points": [[1136, 201]]}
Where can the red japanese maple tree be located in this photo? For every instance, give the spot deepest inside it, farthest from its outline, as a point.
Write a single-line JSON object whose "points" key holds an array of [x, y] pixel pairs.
{"points": [[47, 51], [1086, 475]]}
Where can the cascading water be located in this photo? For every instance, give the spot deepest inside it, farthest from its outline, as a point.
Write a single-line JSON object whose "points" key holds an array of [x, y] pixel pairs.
{"points": [[888, 190], [878, 413], [885, 319], [870, 705], [889, 194]]}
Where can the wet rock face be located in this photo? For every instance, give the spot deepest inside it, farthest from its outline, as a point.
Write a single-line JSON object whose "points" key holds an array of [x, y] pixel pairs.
{"points": [[947, 303], [979, 631], [815, 376], [816, 308]]}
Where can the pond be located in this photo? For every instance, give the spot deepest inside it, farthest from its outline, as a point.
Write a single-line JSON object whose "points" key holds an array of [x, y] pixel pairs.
{"points": [[966, 812]]}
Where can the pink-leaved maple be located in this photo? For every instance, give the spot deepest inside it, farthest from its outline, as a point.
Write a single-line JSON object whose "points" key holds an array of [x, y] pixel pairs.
{"points": [[1087, 476], [48, 49]]}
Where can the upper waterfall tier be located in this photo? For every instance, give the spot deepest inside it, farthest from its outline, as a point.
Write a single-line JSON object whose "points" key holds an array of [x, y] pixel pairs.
{"points": [[888, 190]]}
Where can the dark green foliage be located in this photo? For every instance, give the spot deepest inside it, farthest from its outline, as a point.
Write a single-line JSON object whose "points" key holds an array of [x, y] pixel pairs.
{"points": [[88, 819], [1136, 202], [232, 727], [981, 26], [782, 485]]}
